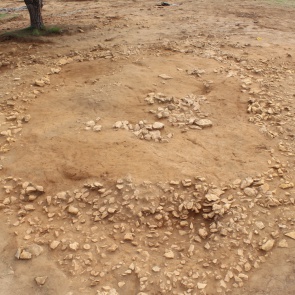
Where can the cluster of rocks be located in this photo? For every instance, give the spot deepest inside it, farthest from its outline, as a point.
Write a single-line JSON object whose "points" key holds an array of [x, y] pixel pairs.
{"points": [[93, 125], [144, 130], [184, 112], [185, 222]]}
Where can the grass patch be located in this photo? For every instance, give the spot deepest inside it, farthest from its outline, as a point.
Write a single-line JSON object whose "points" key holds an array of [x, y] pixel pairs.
{"points": [[30, 33]]}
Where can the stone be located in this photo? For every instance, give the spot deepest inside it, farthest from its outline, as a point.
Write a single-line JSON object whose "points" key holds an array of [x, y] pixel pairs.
{"points": [[203, 233], [290, 235], [97, 128], [211, 197], [201, 286], [260, 224], [156, 268], [86, 247], [287, 185], [165, 77], [204, 123], [158, 125], [35, 250], [250, 192], [23, 254], [29, 207], [54, 244], [73, 210], [246, 182], [169, 254], [268, 245], [283, 244], [74, 246], [128, 237], [121, 284], [40, 281]]}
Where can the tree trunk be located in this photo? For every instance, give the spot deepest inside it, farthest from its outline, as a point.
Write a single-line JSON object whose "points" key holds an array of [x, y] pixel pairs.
{"points": [[35, 7]]}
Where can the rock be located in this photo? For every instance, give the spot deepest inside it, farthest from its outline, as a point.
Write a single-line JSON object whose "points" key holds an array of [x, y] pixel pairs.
{"points": [[203, 233], [29, 207], [158, 125], [97, 128], [290, 235], [211, 197], [128, 237], [165, 77], [86, 247], [35, 249], [118, 125], [74, 246], [121, 284], [283, 244], [287, 185], [201, 286], [39, 83], [250, 192], [203, 123], [23, 254], [268, 245], [41, 280], [54, 244], [246, 182], [260, 224], [73, 210], [90, 124], [156, 268], [169, 254]]}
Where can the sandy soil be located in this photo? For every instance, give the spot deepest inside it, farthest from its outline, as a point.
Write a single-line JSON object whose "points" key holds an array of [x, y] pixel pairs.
{"points": [[148, 149]]}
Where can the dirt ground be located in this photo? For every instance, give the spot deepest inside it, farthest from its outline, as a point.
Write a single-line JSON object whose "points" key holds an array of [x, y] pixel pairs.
{"points": [[148, 149]]}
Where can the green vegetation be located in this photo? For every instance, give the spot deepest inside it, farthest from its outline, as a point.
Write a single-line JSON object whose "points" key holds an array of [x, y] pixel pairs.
{"points": [[28, 33]]}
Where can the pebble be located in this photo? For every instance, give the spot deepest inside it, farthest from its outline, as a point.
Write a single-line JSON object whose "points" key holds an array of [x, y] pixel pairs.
{"points": [[169, 254], [156, 268], [128, 237], [73, 210], [54, 244], [165, 77], [74, 246], [40, 281]]}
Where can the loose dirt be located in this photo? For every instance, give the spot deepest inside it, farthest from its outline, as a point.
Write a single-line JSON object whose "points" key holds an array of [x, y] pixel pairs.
{"points": [[148, 149]]}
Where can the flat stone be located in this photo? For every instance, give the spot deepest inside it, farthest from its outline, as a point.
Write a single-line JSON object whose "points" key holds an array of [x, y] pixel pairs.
{"points": [[204, 123], [290, 235]]}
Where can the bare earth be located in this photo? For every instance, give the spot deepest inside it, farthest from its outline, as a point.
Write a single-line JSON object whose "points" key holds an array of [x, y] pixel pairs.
{"points": [[149, 149]]}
